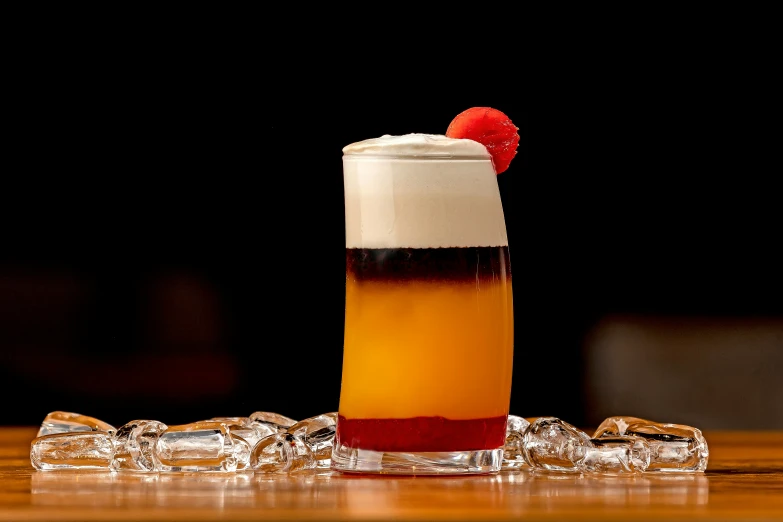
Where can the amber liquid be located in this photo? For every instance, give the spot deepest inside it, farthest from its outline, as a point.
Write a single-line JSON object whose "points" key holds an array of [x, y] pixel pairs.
{"points": [[428, 349]]}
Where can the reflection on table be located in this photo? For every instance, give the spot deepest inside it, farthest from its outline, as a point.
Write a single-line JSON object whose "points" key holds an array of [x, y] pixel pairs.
{"points": [[328, 490]]}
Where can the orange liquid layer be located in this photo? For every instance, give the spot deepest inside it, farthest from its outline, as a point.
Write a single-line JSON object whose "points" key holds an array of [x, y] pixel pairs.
{"points": [[427, 349]]}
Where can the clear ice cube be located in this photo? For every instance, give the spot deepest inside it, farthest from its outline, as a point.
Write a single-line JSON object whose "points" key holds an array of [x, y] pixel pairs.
{"points": [[674, 448], [277, 422], [318, 433], [66, 421], [253, 433], [615, 455], [616, 426], [72, 450], [238, 421], [555, 445], [250, 430], [282, 453], [135, 444], [513, 455], [202, 446]]}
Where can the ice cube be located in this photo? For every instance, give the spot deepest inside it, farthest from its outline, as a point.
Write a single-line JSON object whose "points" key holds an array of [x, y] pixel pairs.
{"points": [[202, 446], [253, 433], [513, 455], [674, 448], [318, 433], [238, 421], [614, 426], [552, 444], [250, 430], [72, 450], [277, 422], [616, 454], [282, 453], [135, 444], [66, 421]]}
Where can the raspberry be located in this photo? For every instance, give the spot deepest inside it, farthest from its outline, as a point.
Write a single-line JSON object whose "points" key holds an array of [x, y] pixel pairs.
{"points": [[491, 128]]}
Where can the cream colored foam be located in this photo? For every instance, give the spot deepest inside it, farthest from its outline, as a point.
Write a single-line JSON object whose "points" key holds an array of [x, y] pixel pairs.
{"points": [[421, 191], [417, 145]]}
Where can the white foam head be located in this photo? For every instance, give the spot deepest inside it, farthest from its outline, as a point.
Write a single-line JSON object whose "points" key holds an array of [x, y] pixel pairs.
{"points": [[419, 145], [421, 191]]}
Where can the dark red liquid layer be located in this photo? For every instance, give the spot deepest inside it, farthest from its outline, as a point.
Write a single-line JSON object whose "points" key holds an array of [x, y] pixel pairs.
{"points": [[422, 434], [470, 264]]}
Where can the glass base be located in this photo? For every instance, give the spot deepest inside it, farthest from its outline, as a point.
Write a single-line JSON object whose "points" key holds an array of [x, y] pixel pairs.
{"points": [[478, 462]]}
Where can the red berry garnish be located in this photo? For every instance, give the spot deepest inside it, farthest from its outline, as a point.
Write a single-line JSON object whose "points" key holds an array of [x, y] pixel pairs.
{"points": [[491, 128]]}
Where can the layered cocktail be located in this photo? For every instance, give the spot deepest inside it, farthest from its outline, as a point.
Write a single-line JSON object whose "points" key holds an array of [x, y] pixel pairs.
{"points": [[428, 343]]}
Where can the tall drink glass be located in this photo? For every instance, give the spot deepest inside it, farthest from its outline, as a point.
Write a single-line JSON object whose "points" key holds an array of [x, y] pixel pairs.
{"points": [[428, 343]]}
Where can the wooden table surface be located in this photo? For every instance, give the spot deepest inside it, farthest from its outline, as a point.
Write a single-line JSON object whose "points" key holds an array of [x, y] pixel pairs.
{"points": [[743, 481]]}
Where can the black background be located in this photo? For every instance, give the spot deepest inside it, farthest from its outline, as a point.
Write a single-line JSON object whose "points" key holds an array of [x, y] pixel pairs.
{"points": [[645, 183]]}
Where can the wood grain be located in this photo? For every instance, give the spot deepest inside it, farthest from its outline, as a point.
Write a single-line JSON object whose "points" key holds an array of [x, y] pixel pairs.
{"points": [[744, 481]]}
